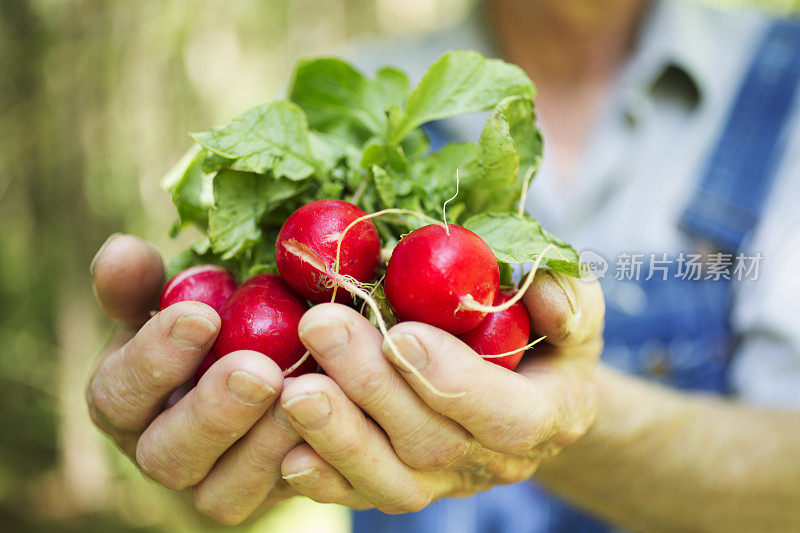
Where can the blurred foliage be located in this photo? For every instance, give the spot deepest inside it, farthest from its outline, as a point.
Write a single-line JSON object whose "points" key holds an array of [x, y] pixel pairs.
{"points": [[95, 100]]}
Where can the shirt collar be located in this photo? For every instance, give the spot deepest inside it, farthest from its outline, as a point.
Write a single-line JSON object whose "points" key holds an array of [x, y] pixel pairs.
{"points": [[677, 36]]}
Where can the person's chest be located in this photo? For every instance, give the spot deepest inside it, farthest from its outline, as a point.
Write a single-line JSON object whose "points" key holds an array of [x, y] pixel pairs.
{"points": [[634, 179]]}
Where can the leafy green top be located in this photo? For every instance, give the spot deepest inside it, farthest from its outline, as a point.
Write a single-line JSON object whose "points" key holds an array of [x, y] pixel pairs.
{"points": [[343, 135]]}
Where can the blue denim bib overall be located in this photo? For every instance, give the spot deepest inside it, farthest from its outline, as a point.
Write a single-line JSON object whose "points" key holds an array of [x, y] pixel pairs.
{"points": [[680, 333]]}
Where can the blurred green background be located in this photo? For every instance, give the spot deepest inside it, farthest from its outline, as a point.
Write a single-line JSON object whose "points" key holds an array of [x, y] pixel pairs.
{"points": [[96, 98]]}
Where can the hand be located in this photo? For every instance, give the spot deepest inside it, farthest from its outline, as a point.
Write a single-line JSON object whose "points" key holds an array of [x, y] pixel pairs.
{"points": [[215, 437], [418, 447]]}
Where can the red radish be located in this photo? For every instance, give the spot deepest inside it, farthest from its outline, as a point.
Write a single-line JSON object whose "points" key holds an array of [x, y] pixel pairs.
{"points": [[307, 243], [263, 315], [431, 272], [502, 332], [210, 284]]}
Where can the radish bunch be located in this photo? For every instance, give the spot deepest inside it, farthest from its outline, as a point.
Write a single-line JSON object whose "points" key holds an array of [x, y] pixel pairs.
{"points": [[280, 196], [432, 276]]}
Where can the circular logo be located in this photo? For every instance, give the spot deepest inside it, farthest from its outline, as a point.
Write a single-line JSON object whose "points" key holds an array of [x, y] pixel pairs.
{"points": [[593, 265]]}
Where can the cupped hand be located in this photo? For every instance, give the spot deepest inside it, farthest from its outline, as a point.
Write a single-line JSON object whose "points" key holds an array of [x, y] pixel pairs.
{"points": [[227, 436], [412, 446]]}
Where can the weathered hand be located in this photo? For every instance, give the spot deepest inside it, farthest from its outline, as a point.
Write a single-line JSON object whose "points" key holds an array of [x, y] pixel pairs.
{"points": [[226, 437], [417, 447]]}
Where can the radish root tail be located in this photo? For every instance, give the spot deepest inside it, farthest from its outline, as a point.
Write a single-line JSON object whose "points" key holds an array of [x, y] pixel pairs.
{"points": [[469, 303], [444, 205], [297, 364], [524, 348]]}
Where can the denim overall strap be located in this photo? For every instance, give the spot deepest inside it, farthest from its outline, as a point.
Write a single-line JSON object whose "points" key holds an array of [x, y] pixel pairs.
{"points": [[739, 173]]}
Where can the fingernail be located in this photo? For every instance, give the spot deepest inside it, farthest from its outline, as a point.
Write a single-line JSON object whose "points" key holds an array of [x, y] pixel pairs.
{"points": [[247, 388], [306, 477], [567, 289], [411, 350], [327, 338], [93, 264], [192, 331], [310, 410]]}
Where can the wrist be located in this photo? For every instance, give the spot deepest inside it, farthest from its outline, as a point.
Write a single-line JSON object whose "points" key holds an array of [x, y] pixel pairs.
{"points": [[627, 410]]}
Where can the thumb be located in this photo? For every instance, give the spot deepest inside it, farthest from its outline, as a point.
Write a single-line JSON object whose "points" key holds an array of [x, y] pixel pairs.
{"points": [[568, 311], [127, 277]]}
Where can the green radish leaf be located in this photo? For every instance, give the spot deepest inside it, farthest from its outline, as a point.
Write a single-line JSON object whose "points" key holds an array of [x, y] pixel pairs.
{"points": [[241, 200], [416, 144], [272, 137], [437, 172], [259, 260], [332, 93], [510, 146], [510, 141], [391, 88], [518, 239], [457, 83], [197, 254], [201, 246], [331, 150], [360, 140], [520, 115], [330, 190], [384, 185], [384, 155], [498, 161], [387, 313], [214, 162], [240, 204], [191, 189], [506, 274], [490, 171], [186, 259]]}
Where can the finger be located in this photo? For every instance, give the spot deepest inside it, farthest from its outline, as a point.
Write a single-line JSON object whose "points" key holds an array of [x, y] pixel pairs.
{"points": [[568, 311], [131, 385], [281, 492], [249, 471], [127, 276], [312, 477], [341, 434], [182, 444], [348, 348], [502, 409]]}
